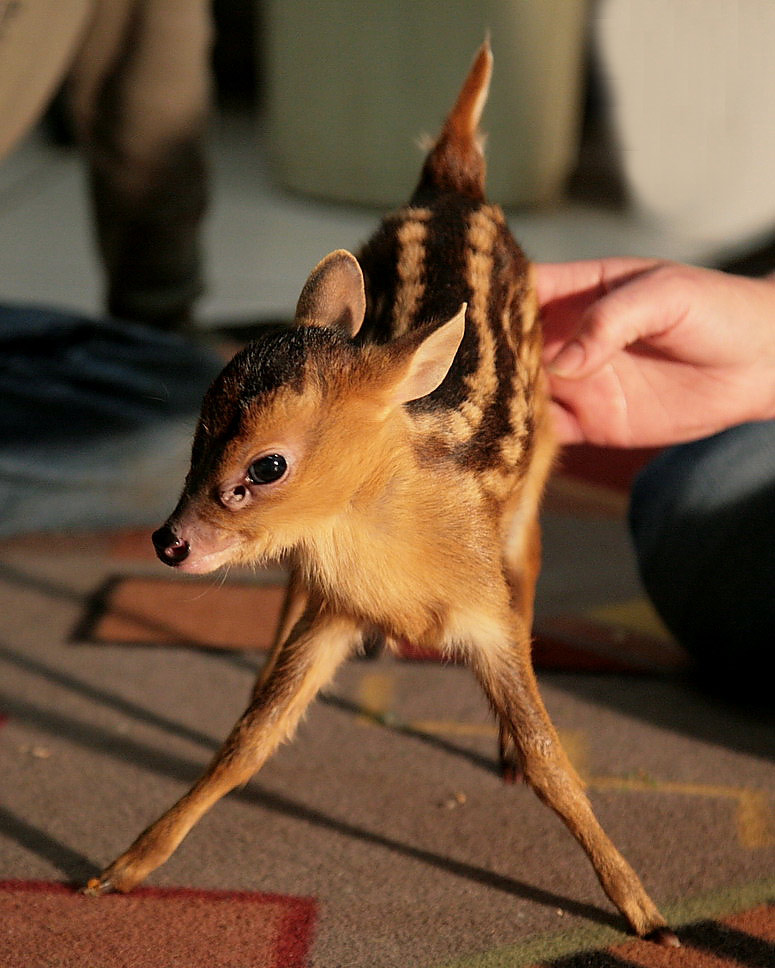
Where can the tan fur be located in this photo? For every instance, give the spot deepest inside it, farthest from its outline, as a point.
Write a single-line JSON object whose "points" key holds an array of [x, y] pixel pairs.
{"points": [[411, 237], [415, 439]]}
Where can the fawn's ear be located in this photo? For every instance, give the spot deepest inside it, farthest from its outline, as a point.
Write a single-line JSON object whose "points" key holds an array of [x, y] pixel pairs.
{"points": [[333, 297], [429, 362]]}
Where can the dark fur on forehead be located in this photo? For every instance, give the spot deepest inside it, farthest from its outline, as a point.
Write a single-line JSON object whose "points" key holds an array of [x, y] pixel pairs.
{"points": [[280, 357], [275, 359]]}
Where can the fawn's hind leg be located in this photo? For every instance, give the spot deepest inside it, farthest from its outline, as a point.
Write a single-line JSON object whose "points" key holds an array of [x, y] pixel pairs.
{"points": [[305, 663], [522, 563], [521, 550], [505, 671]]}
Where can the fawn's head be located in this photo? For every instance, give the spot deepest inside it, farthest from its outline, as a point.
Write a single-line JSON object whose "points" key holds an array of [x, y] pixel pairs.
{"points": [[295, 425]]}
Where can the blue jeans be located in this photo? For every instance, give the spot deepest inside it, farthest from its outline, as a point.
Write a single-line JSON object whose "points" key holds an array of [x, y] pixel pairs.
{"points": [[703, 521], [96, 420]]}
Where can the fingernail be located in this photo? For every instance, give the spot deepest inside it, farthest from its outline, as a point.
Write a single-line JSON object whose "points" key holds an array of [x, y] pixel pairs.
{"points": [[569, 360]]}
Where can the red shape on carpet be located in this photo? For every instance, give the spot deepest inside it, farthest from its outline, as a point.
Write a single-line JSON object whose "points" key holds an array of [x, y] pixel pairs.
{"points": [[47, 923]]}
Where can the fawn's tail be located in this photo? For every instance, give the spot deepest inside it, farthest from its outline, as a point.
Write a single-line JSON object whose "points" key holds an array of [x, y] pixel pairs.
{"points": [[456, 161]]}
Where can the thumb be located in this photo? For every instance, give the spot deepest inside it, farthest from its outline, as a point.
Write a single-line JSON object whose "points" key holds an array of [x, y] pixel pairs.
{"points": [[572, 361], [641, 309]]}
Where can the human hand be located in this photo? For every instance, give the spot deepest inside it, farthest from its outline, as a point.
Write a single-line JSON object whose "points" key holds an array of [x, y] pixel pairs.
{"points": [[644, 353]]}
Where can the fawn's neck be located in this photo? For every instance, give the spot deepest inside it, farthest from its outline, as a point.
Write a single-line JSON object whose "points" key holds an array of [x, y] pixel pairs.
{"points": [[400, 554]]}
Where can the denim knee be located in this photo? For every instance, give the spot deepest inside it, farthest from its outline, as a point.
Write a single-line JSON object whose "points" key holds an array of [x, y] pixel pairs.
{"points": [[702, 518]]}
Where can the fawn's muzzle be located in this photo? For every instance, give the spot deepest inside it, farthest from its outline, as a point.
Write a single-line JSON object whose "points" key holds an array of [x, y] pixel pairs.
{"points": [[170, 549]]}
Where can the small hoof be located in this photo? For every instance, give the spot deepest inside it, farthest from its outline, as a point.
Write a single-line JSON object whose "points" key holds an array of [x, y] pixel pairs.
{"points": [[511, 770], [511, 775], [663, 936], [97, 886]]}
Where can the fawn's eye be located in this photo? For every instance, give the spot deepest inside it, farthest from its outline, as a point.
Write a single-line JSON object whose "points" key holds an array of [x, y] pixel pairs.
{"points": [[267, 470]]}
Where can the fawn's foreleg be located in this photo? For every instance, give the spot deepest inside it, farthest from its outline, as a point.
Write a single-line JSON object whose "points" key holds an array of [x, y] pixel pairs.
{"points": [[305, 663], [506, 673]]}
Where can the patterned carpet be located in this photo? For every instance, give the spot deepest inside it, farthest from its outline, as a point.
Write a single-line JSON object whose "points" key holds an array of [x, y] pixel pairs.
{"points": [[382, 837], [47, 924]]}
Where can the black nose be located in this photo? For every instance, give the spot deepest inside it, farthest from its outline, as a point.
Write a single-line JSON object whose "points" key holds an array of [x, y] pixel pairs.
{"points": [[169, 547]]}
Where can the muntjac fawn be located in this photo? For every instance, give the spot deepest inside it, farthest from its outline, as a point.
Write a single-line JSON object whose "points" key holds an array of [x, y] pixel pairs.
{"points": [[393, 446]]}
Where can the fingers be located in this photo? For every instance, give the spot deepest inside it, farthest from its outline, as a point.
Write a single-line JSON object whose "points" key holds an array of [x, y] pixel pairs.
{"points": [[590, 278], [567, 290], [641, 308]]}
